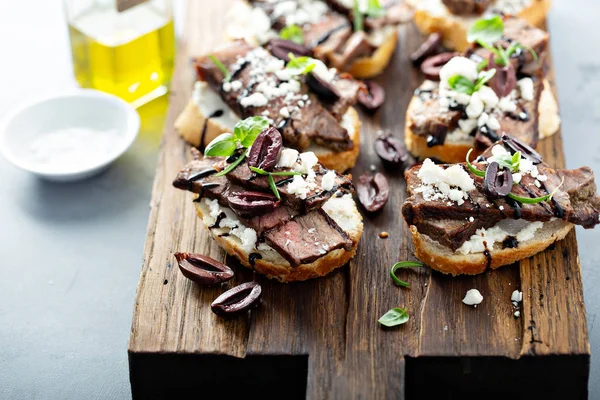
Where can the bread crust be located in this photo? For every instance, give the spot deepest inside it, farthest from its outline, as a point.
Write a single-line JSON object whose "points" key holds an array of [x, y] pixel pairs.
{"points": [[190, 122], [548, 124], [443, 259], [454, 28], [279, 268], [369, 67]]}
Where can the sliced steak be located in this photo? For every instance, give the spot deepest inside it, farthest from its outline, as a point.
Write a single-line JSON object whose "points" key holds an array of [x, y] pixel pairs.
{"points": [[427, 118], [299, 115], [467, 7], [528, 36], [307, 238], [452, 233]]}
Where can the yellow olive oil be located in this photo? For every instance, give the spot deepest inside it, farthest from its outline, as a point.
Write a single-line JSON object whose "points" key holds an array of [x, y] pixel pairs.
{"points": [[128, 54]]}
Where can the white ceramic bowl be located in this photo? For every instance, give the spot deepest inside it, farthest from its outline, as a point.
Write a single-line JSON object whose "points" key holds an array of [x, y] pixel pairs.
{"points": [[87, 111]]}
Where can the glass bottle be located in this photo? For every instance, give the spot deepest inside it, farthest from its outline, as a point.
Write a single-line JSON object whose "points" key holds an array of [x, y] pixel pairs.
{"points": [[123, 47]]}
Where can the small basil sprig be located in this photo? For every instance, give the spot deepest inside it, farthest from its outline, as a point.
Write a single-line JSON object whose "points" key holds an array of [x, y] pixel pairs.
{"points": [[461, 84], [222, 67], [374, 10], [402, 264], [271, 180], [244, 134], [472, 168], [394, 317], [300, 65], [487, 31], [292, 32]]}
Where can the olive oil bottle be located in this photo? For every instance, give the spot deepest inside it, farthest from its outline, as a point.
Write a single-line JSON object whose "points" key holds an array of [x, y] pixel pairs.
{"points": [[124, 49]]}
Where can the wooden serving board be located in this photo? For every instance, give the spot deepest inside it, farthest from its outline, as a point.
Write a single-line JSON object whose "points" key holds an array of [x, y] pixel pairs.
{"points": [[320, 339]]}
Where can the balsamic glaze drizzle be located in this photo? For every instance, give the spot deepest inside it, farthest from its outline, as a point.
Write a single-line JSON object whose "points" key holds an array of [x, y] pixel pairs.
{"points": [[215, 114]]}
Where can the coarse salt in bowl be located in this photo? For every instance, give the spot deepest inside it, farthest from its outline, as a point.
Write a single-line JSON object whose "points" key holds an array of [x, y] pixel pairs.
{"points": [[70, 136]]}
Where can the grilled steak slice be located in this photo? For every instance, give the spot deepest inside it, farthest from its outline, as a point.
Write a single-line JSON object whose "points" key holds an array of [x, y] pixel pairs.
{"points": [[467, 7], [307, 238], [315, 197], [530, 37], [574, 200], [428, 118], [256, 88]]}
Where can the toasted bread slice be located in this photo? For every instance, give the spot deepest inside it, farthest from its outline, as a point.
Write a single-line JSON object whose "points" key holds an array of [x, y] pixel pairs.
{"points": [[443, 259], [369, 67], [433, 16], [192, 121], [341, 209], [456, 151]]}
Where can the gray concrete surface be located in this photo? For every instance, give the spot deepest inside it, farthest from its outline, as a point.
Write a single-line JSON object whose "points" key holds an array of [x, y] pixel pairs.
{"points": [[70, 254]]}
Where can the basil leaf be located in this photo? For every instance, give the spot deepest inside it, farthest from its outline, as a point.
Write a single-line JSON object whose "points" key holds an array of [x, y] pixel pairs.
{"points": [[292, 32], [530, 200], [234, 164], [486, 31], [402, 264], [258, 171], [247, 130], [396, 316], [300, 65], [223, 145], [484, 78], [472, 168], [516, 161], [461, 84], [220, 65], [274, 187], [374, 9]]}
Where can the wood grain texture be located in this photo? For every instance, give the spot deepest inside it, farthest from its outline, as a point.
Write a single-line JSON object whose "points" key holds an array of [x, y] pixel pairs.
{"points": [[321, 337]]}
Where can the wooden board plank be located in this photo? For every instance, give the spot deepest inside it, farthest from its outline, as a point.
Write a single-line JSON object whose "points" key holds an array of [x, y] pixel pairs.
{"points": [[322, 337]]}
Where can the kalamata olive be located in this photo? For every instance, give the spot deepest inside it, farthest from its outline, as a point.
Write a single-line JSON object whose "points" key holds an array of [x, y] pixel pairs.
{"points": [[527, 151], [325, 90], [237, 300], [505, 79], [249, 204], [392, 152], [373, 97], [430, 47], [431, 66], [281, 48], [497, 184], [373, 191], [202, 269], [265, 150]]}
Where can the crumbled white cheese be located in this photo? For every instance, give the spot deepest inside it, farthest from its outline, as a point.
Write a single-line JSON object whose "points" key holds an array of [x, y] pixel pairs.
{"points": [[274, 65], [459, 66], [328, 180], [526, 88], [517, 177], [300, 187], [475, 107], [484, 239], [236, 85], [343, 211], [308, 161], [507, 104], [254, 100], [473, 297], [516, 296], [501, 208], [246, 235], [471, 219], [467, 125], [284, 112], [488, 96], [517, 314], [287, 158], [439, 183], [529, 231], [324, 73]]}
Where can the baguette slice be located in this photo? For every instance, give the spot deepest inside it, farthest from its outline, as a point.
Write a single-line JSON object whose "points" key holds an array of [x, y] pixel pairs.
{"points": [[205, 101], [456, 152], [433, 16], [445, 260], [362, 68], [341, 209]]}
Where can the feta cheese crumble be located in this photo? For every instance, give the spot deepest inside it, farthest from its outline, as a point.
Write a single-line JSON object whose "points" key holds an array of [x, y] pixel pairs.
{"points": [[473, 298], [438, 183]]}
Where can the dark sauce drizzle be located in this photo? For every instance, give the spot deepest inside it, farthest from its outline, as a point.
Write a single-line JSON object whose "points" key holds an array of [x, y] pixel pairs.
{"points": [[217, 223], [515, 206], [510, 243], [215, 114], [253, 257], [326, 35]]}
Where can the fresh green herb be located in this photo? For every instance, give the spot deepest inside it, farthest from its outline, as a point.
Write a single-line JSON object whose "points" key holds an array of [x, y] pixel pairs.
{"points": [[234, 164], [223, 69], [461, 84], [373, 10], [271, 175], [300, 65], [396, 316], [486, 31], [510, 162], [403, 264], [274, 187], [474, 170], [222, 146], [244, 135], [534, 200], [294, 33], [484, 78], [248, 129]]}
